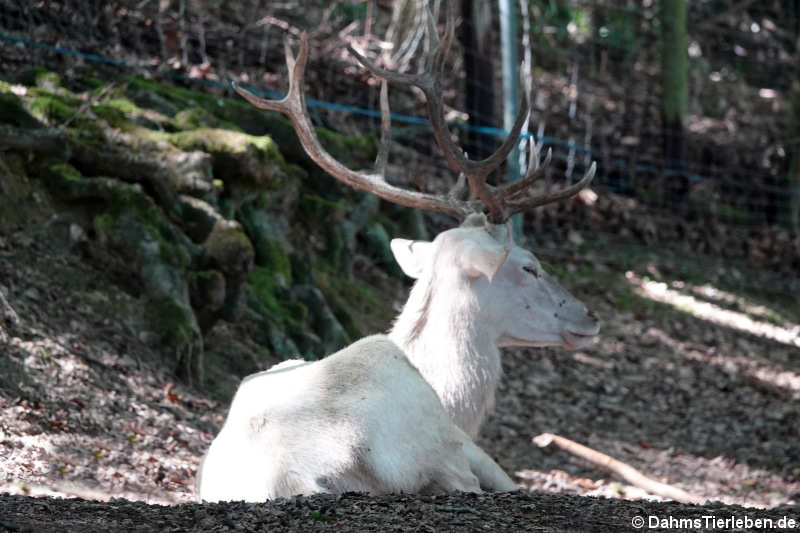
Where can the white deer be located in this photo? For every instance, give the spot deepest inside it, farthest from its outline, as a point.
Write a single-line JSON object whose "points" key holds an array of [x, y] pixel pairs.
{"points": [[398, 412]]}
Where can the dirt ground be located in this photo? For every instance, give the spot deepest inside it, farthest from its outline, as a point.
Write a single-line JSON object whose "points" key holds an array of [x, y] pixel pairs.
{"points": [[88, 410]]}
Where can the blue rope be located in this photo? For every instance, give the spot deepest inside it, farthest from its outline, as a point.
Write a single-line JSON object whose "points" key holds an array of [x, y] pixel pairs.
{"points": [[484, 130]]}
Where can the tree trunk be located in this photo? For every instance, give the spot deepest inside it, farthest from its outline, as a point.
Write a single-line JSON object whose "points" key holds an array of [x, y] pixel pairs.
{"points": [[475, 36], [794, 174], [674, 91]]}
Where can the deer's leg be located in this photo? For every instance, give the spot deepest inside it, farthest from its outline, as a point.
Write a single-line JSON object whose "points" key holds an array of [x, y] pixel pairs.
{"points": [[456, 477], [488, 472]]}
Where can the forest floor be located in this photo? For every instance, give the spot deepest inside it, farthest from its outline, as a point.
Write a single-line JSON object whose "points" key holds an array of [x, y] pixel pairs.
{"points": [[690, 384]]}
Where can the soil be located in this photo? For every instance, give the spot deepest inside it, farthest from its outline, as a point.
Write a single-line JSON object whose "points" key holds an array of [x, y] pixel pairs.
{"points": [[89, 409], [518, 511]]}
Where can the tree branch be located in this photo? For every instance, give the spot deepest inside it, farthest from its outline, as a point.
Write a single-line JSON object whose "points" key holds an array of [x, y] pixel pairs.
{"points": [[625, 471]]}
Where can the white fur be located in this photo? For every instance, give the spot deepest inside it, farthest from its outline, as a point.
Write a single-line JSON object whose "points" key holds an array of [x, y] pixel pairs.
{"points": [[455, 320], [397, 413], [362, 419]]}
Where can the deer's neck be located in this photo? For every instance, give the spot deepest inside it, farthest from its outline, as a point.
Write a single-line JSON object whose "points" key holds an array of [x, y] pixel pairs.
{"points": [[441, 333]]}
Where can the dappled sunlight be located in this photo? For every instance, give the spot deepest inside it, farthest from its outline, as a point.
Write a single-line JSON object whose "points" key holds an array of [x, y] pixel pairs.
{"points": [[739, 364], [747, 321]]}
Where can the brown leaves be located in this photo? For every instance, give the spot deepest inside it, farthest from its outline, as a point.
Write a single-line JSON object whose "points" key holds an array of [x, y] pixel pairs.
{"points": [[169, 395]]}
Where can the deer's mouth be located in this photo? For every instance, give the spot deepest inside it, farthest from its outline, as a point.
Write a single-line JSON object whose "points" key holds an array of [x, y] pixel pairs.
{"points": [[573, 341]]}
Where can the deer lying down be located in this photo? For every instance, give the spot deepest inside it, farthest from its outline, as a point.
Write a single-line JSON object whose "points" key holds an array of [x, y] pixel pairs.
{"points": [[398, 412], [362, 419], [391, 414]]}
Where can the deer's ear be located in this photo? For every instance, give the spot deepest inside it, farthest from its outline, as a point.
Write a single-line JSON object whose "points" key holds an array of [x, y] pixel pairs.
{"points": [[412, 256], [483, 256]]}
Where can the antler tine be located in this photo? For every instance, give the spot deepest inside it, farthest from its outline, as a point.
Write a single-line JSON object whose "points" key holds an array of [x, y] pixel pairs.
{"points": [[514, 205], [382, 158], [418, 80], [443, 48], [535, 169], [293, 105], [287, 52], [433, 35], [296, 68], [429, 82]]}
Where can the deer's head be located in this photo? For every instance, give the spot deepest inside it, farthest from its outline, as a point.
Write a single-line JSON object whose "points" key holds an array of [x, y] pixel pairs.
{"points": [[512, 296]]}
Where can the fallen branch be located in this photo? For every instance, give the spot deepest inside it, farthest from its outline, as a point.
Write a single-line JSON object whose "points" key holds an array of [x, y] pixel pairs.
{"points": [[43, 140], [8, 313], [626, 472]]}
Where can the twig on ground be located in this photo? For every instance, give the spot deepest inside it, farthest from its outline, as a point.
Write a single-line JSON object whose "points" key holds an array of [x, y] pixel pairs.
{"points": [[626, 472], [89, 103]]}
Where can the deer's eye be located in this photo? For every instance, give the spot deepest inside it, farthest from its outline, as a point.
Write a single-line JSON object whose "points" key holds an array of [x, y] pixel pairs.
{"points": [[531, 270]]}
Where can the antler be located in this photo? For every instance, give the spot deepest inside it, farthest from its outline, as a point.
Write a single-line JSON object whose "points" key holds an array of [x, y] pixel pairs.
{"points": [[500, 202]]}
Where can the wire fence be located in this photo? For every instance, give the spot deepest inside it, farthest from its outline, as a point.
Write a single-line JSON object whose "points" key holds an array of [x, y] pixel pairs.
{"points": [[596, 69]]}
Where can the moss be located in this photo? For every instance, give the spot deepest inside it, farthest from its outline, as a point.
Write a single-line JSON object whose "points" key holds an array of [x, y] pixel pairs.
{"points": [[13, 112], [61, 178], [124, 105], [315, 209], [50, 108], [40, 77], [59, 110], [237, 158], [178, 97], [172, 320], [354, 151], [126, 209], [92, 82], [275, 258], [354, 303], [230, 248], [196, 117], [321, 216], [266, 288], [112, 115], [215, 140]]}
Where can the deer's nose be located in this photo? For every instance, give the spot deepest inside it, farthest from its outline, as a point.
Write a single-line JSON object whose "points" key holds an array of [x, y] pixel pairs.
{"points": [[592, 315]]}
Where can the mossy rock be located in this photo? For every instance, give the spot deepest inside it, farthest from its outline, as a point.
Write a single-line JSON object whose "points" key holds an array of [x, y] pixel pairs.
{"points": [[49, 107], [354, 151], [196, 117], [59, 110], [12, 111], [275, 299], [167, 98], [324, 217], [267, 232], [229, 249], [154, 101], [322, 320], [114, 116], [379, 247], [178, 327], [199, 218], [40, 77], [121, 113], [274, 257], [243, 162], [317, 210], [122, 203], [354, 303]]}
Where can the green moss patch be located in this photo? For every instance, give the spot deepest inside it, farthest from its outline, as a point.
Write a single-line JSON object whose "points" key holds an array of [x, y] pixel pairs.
{"points": [[12, 110], [237, 157], [272, 297]]}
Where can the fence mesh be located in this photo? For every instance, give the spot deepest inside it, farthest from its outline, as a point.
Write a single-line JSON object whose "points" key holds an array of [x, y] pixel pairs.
{"points": [[598, 88]]}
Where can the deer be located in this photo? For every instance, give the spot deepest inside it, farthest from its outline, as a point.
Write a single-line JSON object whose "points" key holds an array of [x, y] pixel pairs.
{"points": [[399, 412]]}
